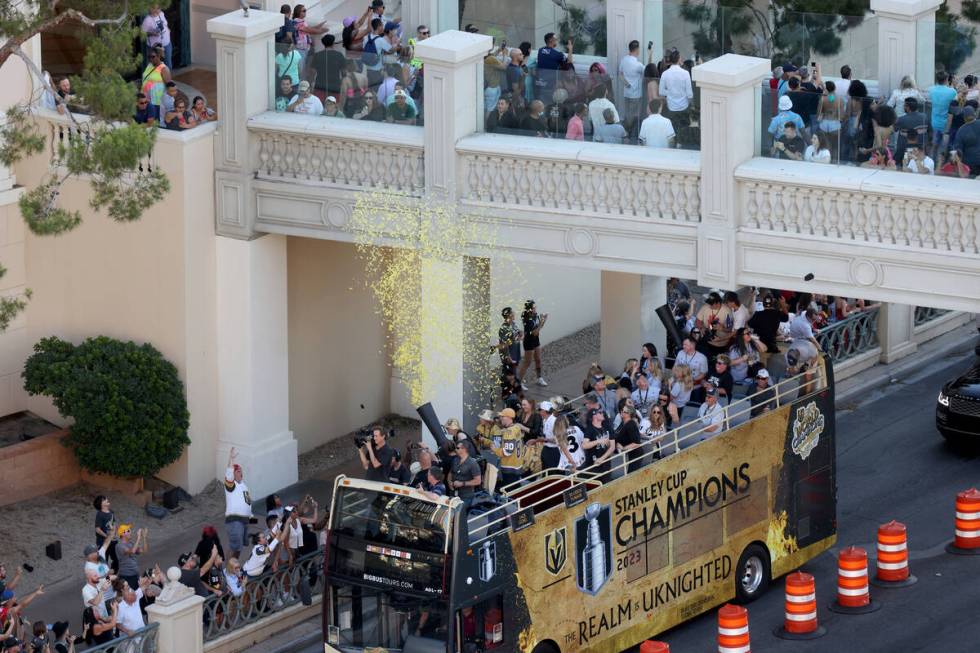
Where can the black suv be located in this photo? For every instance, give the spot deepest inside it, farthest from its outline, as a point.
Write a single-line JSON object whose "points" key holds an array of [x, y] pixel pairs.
{"points": [[958, 405]]}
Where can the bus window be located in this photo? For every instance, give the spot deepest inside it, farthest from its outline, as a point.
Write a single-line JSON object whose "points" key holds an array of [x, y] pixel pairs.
{"points": [[481, 627]]}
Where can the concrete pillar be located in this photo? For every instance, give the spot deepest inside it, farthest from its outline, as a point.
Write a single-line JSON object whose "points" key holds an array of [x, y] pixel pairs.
{"points": [[906, 41], [653, 294], [628, 317], [420, 12], [621, 323], [246, 73], [653, 28], [624, 23], [729, 85], [896, 323], [253, 363], [453, 62], [180, 625]]}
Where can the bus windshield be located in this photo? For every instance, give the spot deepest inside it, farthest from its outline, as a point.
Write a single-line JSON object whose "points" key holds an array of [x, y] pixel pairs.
{"points": [[362, 618], [391, 519]]}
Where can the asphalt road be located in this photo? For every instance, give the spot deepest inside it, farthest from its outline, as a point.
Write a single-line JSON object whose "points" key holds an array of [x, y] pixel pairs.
{"points": [[892, 464]]}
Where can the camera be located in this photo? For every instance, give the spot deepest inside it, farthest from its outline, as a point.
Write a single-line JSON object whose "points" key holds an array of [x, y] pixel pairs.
{"points": [[364, 436]]}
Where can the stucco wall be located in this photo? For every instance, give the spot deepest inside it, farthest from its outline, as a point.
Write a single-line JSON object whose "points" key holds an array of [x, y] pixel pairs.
{"points": [[148, 281], [338, 371]]}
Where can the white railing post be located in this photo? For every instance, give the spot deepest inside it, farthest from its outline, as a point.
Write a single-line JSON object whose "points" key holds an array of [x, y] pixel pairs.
{"points": [[246, 72], [729, 85], [180, 614], [896, 331], [453, 102], [906, 41]]}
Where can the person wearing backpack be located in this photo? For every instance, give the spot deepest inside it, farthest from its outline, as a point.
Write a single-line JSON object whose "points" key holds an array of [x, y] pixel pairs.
{"points": [[372, 57]]}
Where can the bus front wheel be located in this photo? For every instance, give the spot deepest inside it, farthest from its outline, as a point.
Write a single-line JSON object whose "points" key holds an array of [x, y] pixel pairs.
{"points": [[752, 573], [546, 647]]}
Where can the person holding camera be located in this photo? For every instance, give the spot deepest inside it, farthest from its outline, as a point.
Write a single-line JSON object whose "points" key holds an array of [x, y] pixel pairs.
{"points": [[376, 455], [550, 61], [64, 642]]}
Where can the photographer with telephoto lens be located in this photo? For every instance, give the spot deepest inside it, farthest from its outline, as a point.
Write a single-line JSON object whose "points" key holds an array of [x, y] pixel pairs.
{"points": [[375, 455]]}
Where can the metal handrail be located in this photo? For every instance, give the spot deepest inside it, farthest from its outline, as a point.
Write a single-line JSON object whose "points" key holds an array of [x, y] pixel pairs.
{"points": [[144, 640], [855, 334], [263, 596], [925, 314], [588, 474]]}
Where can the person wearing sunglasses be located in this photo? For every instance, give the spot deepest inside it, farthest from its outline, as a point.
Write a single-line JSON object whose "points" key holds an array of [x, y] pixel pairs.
{"points": [[465, 475], [628, 438]]}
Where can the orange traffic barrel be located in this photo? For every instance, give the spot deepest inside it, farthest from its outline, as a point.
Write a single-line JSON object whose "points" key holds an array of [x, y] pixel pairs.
{"points": [[651, 646], [967, 540], [801, 609], [893, 557], [853, 596], [733, 629]]}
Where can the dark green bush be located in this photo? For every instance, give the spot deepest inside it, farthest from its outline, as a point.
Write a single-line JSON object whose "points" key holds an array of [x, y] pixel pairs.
{"points": [[126, 400]]}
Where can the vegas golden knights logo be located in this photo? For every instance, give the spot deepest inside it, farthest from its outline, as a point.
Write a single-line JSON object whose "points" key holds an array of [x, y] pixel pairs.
{"points": [[807, 427], [555, 551]]}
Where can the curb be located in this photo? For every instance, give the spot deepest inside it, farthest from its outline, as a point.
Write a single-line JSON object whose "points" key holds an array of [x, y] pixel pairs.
{"points": [[298, 644], [881, 375]]}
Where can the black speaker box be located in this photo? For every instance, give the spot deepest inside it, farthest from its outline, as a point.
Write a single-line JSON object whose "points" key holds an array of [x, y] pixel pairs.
{"points": [[171, 498], [53, 550]]}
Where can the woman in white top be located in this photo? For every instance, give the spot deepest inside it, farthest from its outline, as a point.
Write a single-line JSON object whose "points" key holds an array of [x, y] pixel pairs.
{"points": [[570, 442], [818, 151], [654, 427], [905, 90]]}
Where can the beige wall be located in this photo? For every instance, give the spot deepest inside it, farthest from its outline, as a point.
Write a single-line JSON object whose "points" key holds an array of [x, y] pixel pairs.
{"points": [[337, 359], [148, 281]]}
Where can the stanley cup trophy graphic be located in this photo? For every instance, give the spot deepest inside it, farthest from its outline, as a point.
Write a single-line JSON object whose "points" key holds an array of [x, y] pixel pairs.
{"points": [[488, 560], [593, 550]]}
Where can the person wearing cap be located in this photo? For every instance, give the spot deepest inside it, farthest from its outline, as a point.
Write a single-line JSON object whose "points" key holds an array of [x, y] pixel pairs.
{"points": [[238, 505], [398, 472], [716, 321], [778, 123], [487, 431], [127, 550], [457, 434], [509, 338], [711, 414], [330, 109], [761, 395], [304, 101], [95, 560], [510, 449], [966, 143], [550, 452], [598, 441], [765, 323], [400, 111]]}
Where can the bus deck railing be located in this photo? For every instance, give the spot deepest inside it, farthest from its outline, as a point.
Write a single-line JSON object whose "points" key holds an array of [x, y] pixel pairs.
{"points": [[496, 520]]}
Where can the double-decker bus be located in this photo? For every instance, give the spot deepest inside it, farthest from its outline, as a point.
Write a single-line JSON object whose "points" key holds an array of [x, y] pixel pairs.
{"points": [[589, 561]]}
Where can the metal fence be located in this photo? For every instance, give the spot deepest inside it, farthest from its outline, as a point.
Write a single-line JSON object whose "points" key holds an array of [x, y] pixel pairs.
{"points": [[925, 314], [263, 596], [142, 641], [854, 335]]}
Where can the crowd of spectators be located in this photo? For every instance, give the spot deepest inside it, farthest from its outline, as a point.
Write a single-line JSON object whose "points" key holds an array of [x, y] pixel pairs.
{"points": [[369, 72], [543, 94], [930, 131], [734, 346]]}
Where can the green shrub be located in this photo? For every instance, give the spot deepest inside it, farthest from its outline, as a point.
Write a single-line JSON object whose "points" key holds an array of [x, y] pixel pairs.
{"points": [[126, 400]]}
